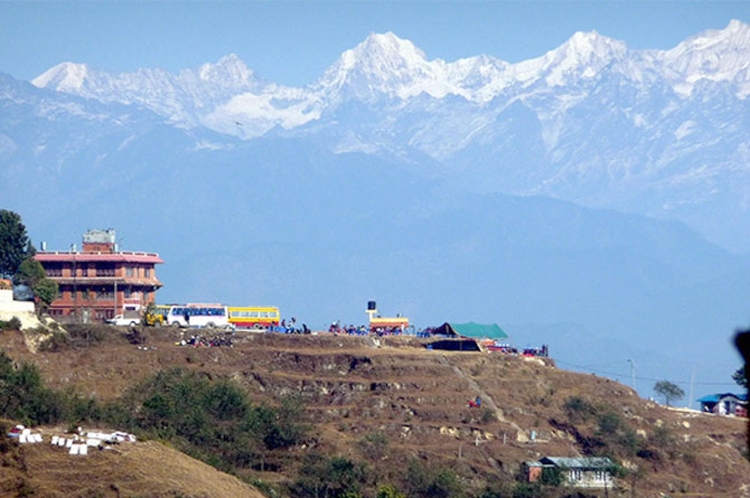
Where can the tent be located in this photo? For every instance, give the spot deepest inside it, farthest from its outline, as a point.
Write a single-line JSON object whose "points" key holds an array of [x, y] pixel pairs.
{"points": [[471, 330], [464, 336]]}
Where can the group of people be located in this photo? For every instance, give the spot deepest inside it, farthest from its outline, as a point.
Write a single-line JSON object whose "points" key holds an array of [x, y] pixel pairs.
{"points": [[508, 349], [336, 328], [290, 327], [543, 351]]}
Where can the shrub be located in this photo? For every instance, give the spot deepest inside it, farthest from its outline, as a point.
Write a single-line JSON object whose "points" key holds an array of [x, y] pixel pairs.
{"points": [[578, 409], [389, 491], [421, 481], [12, 324], [277, 427], [527, 490], [488, 415], [23, 395], [56, 342], [330, 477], [373, 446], [497, 489], [609, 423], [552, 476]]}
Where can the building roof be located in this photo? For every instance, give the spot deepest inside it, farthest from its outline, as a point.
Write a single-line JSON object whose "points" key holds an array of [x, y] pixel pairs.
{"points": [[89, 257], [715, 398], [583, 463], [479, 331]]}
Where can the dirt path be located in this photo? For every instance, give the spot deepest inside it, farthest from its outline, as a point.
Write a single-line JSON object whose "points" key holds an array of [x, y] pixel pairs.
{"points": [[486, 398]]}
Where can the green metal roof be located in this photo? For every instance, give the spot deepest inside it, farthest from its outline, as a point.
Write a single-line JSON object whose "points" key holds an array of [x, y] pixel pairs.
{"points": [[479, 331], [590, 463]]}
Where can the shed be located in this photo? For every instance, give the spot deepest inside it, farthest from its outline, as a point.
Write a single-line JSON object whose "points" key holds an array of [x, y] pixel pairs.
{"points": [[724, 404], [578, 472]]}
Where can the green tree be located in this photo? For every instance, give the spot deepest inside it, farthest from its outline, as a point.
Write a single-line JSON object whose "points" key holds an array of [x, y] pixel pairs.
{"points": [[424, 482], [23, 395], [334, 477], [14, 243], [740, 377], [46, 291], [31, 273], [670, 391]]}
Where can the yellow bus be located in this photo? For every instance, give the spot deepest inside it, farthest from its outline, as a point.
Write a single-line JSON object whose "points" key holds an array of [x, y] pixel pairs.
{"points": [[254, 317]]}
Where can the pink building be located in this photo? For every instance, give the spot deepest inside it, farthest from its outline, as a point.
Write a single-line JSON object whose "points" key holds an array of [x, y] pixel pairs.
{"points": [[100, 281]]}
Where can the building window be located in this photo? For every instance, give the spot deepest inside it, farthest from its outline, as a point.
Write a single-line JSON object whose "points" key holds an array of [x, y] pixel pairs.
{"points": [[105, 294], [147, 272], [53, 271], [84, 272], [576, 475], [105, 270], [129, 271]]}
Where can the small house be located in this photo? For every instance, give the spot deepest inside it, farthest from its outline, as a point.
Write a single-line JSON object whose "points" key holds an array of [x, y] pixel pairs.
{"points": [[578, 472], [725, 404]]}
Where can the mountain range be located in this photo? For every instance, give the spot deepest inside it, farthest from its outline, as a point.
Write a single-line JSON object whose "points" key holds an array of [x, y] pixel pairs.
{"points": [[595, 196]]}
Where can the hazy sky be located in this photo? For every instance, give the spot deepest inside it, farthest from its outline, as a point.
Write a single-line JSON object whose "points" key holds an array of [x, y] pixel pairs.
{"points": [[293, 42]]}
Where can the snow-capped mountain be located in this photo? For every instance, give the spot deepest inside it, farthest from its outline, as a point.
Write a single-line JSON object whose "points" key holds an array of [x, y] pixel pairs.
{"points": [[663, 133], [387, 67]]}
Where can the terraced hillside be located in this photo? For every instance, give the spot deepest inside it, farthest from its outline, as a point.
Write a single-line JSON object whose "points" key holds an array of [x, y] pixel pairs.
{"points": [[389, 402]]}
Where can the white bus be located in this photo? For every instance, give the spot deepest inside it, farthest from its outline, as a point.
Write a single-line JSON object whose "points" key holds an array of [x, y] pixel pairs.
{"points": [[199, 316]]}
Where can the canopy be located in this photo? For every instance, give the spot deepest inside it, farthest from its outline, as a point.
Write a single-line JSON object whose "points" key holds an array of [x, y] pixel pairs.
{"points": [[471, 329]]}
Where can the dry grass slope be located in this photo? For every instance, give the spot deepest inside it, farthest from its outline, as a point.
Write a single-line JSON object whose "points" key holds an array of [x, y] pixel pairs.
{"points": [[144, 469]]}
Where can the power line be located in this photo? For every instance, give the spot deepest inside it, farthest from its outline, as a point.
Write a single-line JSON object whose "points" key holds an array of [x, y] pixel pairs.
{"points": [[651, 379]]}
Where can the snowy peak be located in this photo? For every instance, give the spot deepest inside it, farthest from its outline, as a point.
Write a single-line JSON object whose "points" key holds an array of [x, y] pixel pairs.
{"points": [[383, 64], [736, 36], [66, 77], [591, 47], [715, 55], [384, 53], [230, 70], [583, 55]]}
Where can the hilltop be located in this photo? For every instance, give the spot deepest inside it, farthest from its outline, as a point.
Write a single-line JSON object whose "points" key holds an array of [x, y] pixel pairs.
{"points": [[387, 402]]}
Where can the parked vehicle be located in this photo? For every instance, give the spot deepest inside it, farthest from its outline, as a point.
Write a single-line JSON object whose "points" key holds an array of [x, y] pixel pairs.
{"points": [[199, 316], [254, 317], [156, 315], [122, 321]]}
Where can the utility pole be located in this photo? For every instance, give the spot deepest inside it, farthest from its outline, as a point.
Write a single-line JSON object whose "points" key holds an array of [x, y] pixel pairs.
{"points": [[692, 381], [632, 373]]}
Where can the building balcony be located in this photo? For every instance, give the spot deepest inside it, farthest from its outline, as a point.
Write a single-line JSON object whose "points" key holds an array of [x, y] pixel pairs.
{"points": [[108, 281]]}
